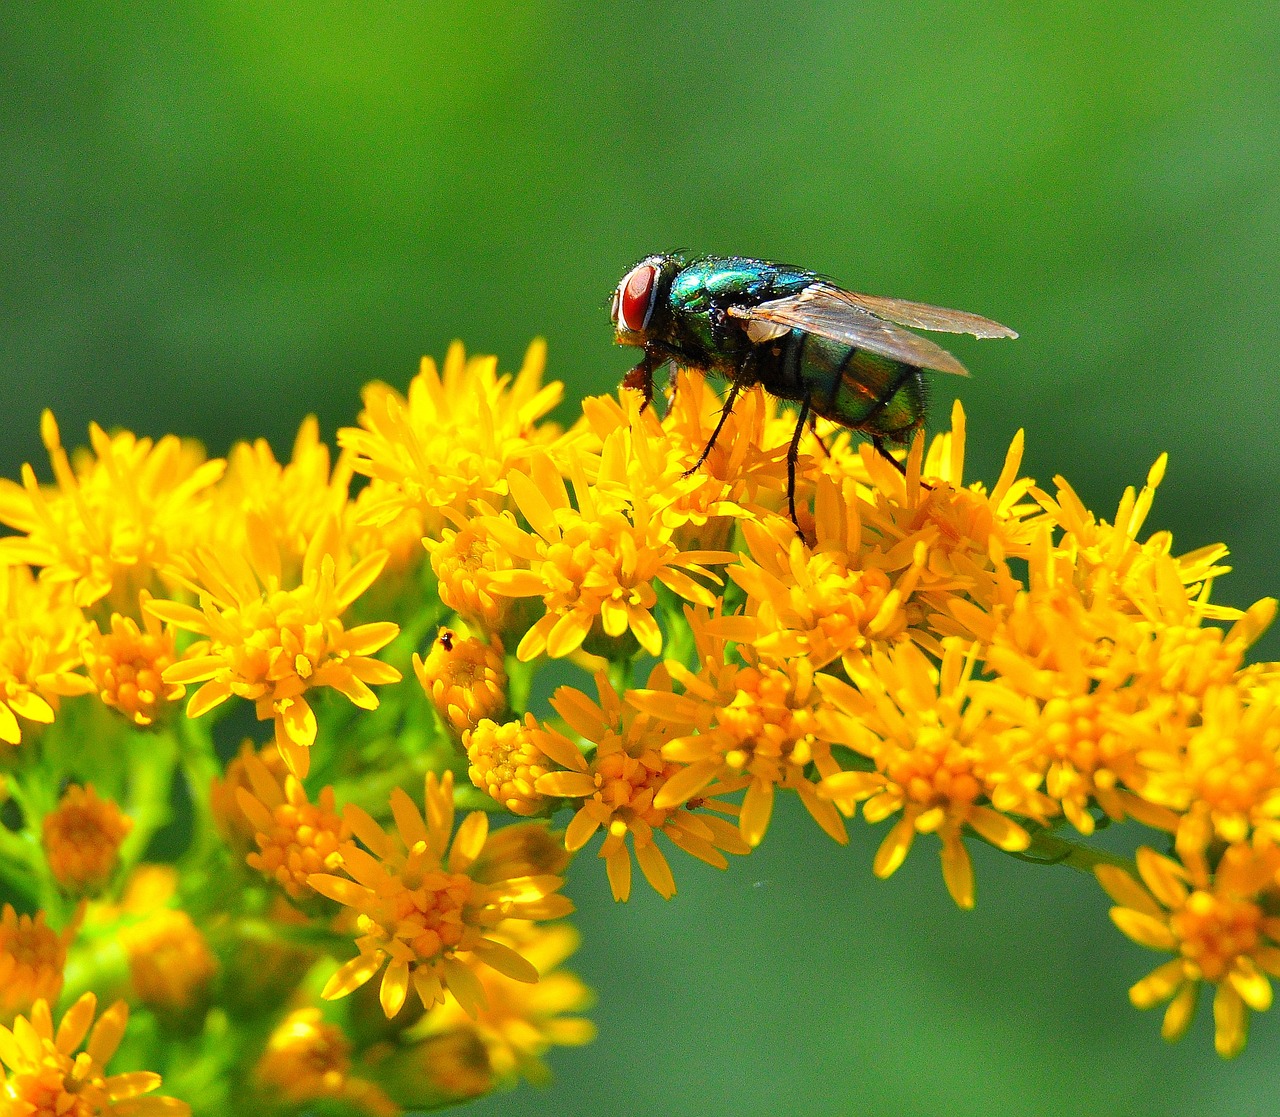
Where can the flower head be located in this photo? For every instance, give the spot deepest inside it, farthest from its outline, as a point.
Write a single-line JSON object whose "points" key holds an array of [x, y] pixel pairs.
{"points": [[308, 1059], [464, 677], [593, 565], [425, 905], [752, 724], [1218, 928], [272, 645], [295, 837], [32, 957], [40, 650], [43, 1074], [506, 762], [453, 439], [617, 787], [115, 518], [948, 752], [127, 665], [82, 839], [520, 1022], [170, 963]]}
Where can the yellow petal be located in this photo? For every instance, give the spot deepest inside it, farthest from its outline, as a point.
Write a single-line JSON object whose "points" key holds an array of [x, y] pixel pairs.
{"points": [[1230, 1022]]}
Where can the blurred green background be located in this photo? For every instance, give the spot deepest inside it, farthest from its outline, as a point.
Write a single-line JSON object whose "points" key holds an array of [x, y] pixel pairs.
{"points": [[218, 217]]}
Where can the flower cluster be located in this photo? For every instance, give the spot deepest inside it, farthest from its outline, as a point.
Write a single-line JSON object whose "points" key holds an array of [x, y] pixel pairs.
{"points": [[956, 661]]}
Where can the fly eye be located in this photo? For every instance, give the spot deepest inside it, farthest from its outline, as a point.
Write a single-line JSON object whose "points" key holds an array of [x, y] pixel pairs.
{"points": [[635, 298]]}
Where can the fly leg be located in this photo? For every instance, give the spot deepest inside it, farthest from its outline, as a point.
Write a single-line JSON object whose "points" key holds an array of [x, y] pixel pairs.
{"points": [[813, 427], [883, 451], [641, 377], [793, 455], [725, 411]]}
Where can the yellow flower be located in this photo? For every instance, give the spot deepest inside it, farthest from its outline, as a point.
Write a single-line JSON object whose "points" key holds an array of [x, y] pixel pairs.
{"points": [[820, 602], [464, 677], [295, 837], [506, 763], [82, 839], [307, 1060], [32, 957], [233, 826], [520, 1022], [260, 499], [619, 785], [40, 636], [464, 562], [453, 439], [43, 1074], [753, 725], [1217, 927], [594, 566], [967, 533], [271, 645], [943, 747], [115, 519], [170, 963], [421, 901], [127, 663]]}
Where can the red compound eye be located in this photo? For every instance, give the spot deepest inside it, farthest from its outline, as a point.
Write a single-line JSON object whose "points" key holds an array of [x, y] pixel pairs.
{"points": [[637, 293]]}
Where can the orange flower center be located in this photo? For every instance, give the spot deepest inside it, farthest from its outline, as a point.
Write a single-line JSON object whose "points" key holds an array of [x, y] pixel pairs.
{"points": [[1214, 931]]}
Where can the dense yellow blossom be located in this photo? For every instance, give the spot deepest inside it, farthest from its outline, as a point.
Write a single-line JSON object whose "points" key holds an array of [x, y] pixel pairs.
{"points": [[272, 644], [40, 651], [1218, 929], [116, 517], [595, 565], [980, 662], [82, 837], [32, 958], [464, 677], [42, 1072], [616, 788], [128, 662], [454, 437], [295, 837], [426, 900]]}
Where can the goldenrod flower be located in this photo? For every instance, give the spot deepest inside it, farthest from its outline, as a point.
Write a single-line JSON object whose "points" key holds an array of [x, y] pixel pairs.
{"points": [[295, 837], [464, 562], [260, 499], [594, 566], [44, 1074], [40, 637], [271, 645], [820, 602], [464, 677], [947, 754], [127, 665], [453, 439], [507, 761], [1216, 924], [619, 785], [82, 839], [32, 957], [170, 963], [752, 725], [520, 1022], [115, 519], [232, 824], [307, 1060], [421, 900]]}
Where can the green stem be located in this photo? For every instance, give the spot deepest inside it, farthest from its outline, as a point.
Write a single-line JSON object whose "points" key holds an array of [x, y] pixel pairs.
{"points": [[1049, 848]]}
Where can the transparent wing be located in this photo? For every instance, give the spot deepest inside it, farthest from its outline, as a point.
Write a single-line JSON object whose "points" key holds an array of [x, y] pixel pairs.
{"points": [[831, 312], [922, 316]]}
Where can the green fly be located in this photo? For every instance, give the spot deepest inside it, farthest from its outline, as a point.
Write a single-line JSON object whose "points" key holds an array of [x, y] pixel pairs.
{"points": [[841, 355]]}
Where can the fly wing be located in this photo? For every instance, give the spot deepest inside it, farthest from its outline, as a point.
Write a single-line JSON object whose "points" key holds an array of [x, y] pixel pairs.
{"points": [[921, 316], [829, 312]]}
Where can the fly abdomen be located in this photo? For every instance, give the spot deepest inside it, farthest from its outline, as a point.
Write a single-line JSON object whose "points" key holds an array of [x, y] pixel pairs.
{"points": [[861, 389]]}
